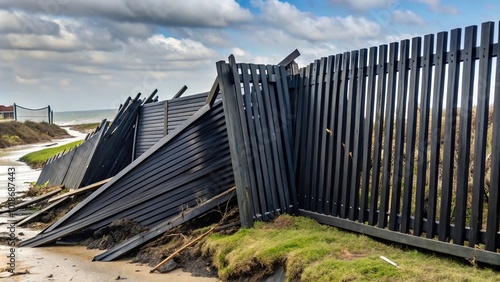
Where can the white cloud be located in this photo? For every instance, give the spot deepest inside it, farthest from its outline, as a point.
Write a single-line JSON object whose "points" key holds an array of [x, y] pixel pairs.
{"points": [[215, 13], [407, 17], [308, 26], [27, 80], [179, 49], [364, 5], [435, 6]]}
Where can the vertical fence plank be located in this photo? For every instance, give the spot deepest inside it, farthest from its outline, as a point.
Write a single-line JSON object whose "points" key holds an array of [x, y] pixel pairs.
{"points": [[480, 137], [494, 199], [318, 134], [301, 100], [349, 139], [304, 199], [399, 138], [235, 139], [464, 138], [388, 132], [285, 121], [357, 153], [311, 133], [368, 135], [425, 98], [332, 136], [411, 133], [324, 194], [436, 117], [340, 135], [377, 140], [449, 135]]}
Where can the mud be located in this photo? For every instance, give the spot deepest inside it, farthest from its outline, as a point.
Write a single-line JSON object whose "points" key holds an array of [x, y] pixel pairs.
{"points": [[109, 236]]}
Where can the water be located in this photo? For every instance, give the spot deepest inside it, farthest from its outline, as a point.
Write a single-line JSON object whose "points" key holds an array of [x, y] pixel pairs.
{"points": [[80, 117], [9, 158]]}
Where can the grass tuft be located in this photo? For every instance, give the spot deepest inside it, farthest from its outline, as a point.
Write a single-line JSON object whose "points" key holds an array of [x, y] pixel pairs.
{"points": [[310, 251]]}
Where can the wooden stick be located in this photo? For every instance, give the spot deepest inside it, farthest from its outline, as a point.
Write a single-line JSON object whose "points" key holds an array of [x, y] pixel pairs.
{"points": [[35, 200], [181, 249], [81, 190]]}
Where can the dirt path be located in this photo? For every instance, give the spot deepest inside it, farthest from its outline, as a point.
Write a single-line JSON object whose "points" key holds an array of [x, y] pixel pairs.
{"points": [[74, 263]]}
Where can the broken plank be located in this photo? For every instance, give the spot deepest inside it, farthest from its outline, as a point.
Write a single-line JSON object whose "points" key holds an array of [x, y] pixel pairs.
{"points": [[39, 213], [81, 190], [35, 200]]}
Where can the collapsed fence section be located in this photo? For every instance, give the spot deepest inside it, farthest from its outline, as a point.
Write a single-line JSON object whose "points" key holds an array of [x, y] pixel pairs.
{"points": [[181, 171], [402, 145]]}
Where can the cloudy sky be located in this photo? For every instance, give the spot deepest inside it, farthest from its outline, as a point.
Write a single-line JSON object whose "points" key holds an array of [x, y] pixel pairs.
{"points": [[92, 54]]}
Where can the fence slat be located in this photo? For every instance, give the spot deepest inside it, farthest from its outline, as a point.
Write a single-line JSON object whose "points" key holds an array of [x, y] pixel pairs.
{"points": [[411, 134], [435, 142], [311, 133], [399, 138], [286, 121], [368, 135], [357, 153], [340, 135], [318, 132], [494, 198], [349, 139], [379, 123], [311, 74], [324, 87], [332, 136], [449, 135], [235, 139], [300, 131], [388, 131], [480, 137], [464, 138]]}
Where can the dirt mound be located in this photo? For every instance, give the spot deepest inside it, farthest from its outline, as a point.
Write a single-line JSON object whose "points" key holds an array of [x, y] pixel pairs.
{"points": [[190, 260], [113, 234], [19, 133]]}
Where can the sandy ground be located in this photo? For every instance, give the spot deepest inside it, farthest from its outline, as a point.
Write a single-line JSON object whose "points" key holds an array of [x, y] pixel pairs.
{"points": [[63, 263], [74, 263]]}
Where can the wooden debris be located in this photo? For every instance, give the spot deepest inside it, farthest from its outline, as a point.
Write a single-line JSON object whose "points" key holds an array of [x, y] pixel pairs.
{"points": [[82, 190]]}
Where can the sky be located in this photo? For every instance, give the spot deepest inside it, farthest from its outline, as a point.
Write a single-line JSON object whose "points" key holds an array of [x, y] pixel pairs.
{"points": [[93, 54]]}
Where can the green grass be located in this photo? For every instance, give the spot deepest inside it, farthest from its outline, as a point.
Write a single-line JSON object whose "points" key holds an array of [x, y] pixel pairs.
{"points": [[38, 158], [310, 251]]}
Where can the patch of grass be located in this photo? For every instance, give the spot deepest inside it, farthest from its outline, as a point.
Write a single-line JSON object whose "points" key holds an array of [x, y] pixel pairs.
{"points": [[310, 251], [85, 127], [14, 133], [38, 158]]}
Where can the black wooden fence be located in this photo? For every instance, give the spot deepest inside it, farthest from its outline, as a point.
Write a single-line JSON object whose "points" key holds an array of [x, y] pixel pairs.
{"points": [[395, 143]]}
